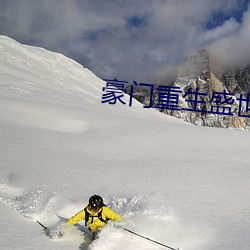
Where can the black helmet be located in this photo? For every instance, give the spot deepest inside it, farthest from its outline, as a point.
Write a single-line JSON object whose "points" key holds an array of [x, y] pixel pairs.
{"points": [[96, 202]]}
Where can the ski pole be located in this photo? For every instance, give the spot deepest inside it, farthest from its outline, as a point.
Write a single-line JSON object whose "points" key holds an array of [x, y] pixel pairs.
{"points": [[146, 238], [45, 228]]}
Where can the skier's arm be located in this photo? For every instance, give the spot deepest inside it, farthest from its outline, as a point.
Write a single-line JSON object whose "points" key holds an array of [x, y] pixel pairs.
{"points": [[77, 217], [110, 214]]}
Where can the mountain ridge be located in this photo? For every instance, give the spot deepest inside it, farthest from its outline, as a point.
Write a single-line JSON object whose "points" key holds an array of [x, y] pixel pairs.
{"points": [[199, 71]]}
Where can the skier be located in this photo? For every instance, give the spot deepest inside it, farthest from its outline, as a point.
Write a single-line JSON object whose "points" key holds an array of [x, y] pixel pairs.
{"points": [[95, 214]]}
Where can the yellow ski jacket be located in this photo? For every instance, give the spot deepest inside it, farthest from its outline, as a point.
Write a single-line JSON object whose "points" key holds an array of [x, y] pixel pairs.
{"points": [[94, 223]]}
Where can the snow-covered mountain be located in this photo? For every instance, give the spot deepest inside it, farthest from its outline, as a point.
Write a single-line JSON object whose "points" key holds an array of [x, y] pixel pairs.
{"points": [[200, 71], [179, 184], [197, 72]]}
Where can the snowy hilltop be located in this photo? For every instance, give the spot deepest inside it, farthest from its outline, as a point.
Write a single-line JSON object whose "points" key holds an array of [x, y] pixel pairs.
{"points": [[182, 185]]}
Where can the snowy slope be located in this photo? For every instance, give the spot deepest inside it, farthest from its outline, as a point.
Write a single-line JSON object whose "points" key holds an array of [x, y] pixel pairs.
{"points": [[179, 184]]}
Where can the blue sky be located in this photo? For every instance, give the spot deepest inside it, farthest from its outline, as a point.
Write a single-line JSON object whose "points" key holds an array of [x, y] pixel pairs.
{"points": [[141, 40], [218, 17]]}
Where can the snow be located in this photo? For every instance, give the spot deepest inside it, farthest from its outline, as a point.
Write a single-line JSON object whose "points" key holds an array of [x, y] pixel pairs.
{"points": [[182, 185]]}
